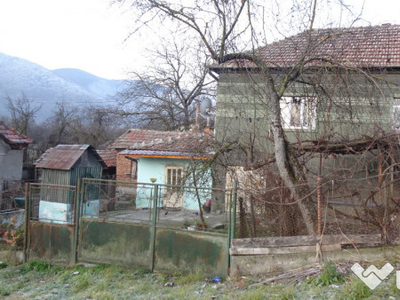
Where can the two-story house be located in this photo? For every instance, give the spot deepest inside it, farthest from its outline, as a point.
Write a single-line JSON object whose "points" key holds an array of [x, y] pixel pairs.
{"points": [[337, 94]]}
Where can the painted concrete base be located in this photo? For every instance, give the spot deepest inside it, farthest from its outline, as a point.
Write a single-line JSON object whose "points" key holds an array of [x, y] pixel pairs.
{"points": [[264, 264], [55, 212], [91, 208]]}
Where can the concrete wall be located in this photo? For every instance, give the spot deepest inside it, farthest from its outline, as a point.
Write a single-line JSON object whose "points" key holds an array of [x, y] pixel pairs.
{"points": [[264, 264], [10, 163], [349, 107], [356, 108]]}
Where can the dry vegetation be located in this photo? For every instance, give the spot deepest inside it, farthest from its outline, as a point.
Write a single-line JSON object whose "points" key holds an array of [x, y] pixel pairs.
{"points": [[38, 280]]}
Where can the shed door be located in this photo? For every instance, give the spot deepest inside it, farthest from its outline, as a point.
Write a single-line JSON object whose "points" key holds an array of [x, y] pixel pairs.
{"points": [[173, 194]]}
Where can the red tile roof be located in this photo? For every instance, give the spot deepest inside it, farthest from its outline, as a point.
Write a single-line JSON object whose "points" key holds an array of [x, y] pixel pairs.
{"points": [[63, 157], [108, 156], [133, 136], [368, 47], [12, 137], [183, 145]]}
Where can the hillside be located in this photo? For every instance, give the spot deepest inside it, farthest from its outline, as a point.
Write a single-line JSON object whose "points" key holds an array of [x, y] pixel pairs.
{"points": [[47, 87], [103, 88]]}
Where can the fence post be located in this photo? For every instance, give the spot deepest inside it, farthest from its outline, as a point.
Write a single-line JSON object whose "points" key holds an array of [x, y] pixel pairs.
{"points": [[229, 231], [153, 228], [74, 250], [234, 211], [26, 225], [231, 222]]}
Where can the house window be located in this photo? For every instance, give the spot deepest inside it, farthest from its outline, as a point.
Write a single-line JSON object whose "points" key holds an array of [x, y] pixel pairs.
{"points": [[298, 112], [396, 113], [174, 177]]}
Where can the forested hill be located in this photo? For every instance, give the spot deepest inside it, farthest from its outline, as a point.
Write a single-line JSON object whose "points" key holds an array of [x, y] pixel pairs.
{"points": [[47, 87]]}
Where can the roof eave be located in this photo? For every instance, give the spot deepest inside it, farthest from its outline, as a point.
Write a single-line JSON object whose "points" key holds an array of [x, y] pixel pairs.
{"points": [[169, 155]]}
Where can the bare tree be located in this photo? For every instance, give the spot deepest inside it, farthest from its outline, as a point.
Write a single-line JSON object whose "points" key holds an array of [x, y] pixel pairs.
{"points": [[23, 112], [218, 25], [225, 29], [73, 125], [165, 95], [60, 122]]}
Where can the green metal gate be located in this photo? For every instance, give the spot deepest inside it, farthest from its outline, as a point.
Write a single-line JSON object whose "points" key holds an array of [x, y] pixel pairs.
{"points": [[132, 227], [50, 214], [104, 221]]}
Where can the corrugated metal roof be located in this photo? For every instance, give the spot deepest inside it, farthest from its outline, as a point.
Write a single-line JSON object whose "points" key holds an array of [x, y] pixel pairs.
{"points": [[61, 157], [368, 47], [12, 137]]}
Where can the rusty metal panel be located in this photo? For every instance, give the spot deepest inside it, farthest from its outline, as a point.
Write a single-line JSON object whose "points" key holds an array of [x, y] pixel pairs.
{"points": [[50, 242], [61, 157], [191, 250], [116, 243]]}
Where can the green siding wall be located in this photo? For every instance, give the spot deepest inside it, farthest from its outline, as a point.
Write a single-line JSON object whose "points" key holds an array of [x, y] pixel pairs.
{"points": [[352, 108]]}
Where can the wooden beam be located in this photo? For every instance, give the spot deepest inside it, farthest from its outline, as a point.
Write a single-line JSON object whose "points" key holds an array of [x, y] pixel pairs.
{"points": [[306, 240], [283, 250]]}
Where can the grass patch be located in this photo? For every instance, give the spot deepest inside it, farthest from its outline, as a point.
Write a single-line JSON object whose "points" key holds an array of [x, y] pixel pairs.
{"points": [[190, 278], [81, 284], [37, 280], [283, 292], [354, 289], [328, 276]]}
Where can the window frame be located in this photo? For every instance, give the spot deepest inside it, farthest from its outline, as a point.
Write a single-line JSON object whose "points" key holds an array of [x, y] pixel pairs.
{"points": [[395, 104], [171, 185], [286, 110]]}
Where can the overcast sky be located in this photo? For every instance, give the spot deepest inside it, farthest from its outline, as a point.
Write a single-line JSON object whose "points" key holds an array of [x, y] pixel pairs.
{"points": [[89, 34]]}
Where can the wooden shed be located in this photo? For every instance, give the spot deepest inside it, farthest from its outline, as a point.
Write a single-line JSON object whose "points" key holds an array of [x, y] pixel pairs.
{"points": [[65, 165]]}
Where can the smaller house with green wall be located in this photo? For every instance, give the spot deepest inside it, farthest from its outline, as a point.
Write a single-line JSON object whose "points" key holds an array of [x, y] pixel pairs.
{"points": [[65, 165], [173, 162]]}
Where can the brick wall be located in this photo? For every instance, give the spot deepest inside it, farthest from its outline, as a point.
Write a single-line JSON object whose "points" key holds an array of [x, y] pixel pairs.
{"points": [[124, 169]]}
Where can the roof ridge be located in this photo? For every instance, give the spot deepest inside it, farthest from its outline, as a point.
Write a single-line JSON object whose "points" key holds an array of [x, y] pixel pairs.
{"points": [[358, 46]]}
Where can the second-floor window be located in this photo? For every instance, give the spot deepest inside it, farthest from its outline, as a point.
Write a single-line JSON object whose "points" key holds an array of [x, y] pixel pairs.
{"points": [[298, 112]]}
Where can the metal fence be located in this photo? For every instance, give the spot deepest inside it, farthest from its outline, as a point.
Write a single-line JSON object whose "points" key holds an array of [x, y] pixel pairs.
{"points": [[52, 203], [9, 190], [155, 226], [351, 206], [50, 223], [175, 206]]}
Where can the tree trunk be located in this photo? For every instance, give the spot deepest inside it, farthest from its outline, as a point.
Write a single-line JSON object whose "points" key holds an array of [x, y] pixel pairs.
{"points": [[290, 170]]}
